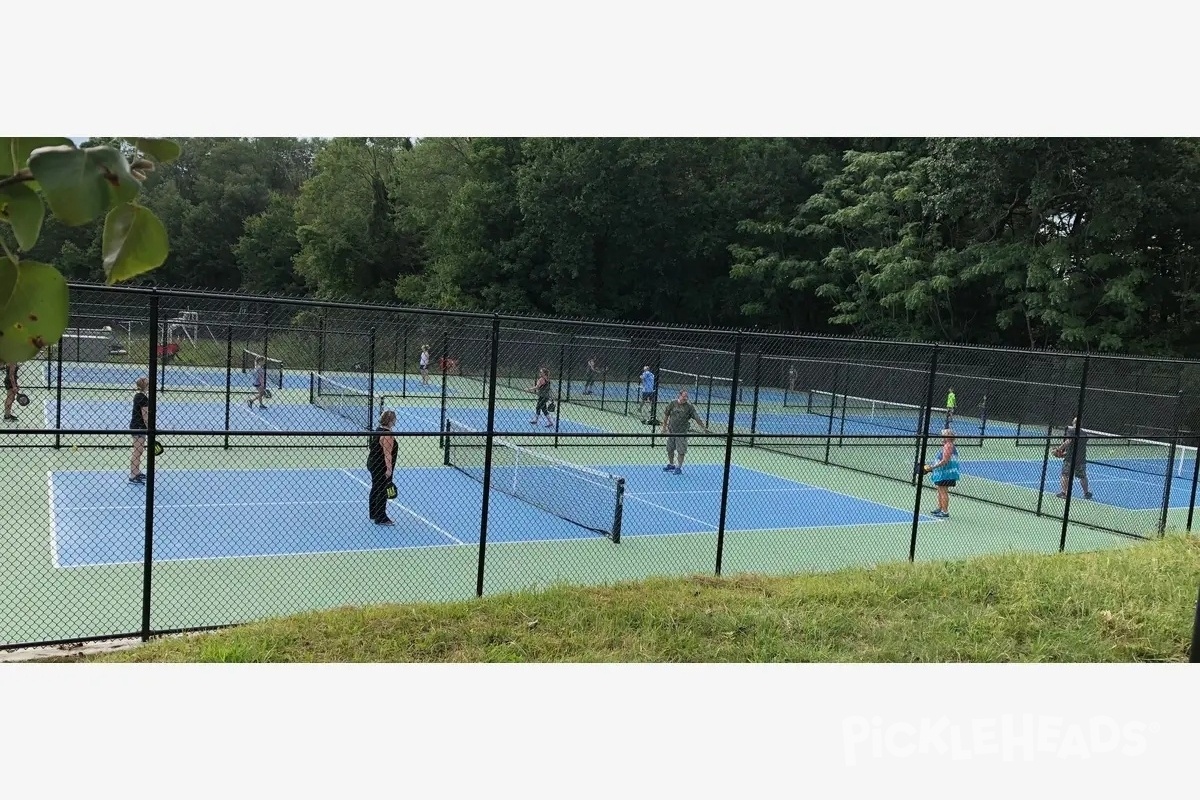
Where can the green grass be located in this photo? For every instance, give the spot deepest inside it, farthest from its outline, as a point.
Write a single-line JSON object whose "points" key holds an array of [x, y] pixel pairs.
{"points": [[1132, 604]]}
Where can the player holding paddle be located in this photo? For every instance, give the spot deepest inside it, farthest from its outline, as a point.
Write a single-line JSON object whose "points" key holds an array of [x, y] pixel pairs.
{"points": [[944, 473], [676, 419], [381, 458], [139, 423], [11, 388], [542, 389], [260, 382], [1074, 438]]}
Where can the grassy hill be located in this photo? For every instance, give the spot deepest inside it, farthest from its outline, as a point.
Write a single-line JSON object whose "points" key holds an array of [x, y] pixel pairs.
{"points": [[1134, 604]]}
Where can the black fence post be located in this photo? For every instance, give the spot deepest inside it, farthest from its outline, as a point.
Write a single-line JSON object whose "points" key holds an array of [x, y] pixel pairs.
{"points": [[562, 365], [322, 337], [58, 400], [565, 368], [404, 355], [922, 453], [1062, 541], [229, 378], [487, 455], [445, 348], [151, 440], [1045, 467], [1195, 480], [371, 382], [656, 368], [1172, 449], [754, 404], [737, 362]]}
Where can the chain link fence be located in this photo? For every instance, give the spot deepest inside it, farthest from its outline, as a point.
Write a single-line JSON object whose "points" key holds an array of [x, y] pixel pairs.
{"points": [[189, 460]]}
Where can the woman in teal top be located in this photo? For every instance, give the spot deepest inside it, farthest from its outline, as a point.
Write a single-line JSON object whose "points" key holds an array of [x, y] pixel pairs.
{"points": [[944, 473]]}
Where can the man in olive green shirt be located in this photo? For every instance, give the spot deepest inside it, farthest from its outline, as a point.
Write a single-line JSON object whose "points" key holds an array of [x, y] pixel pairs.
{"points": [[676, 419]]}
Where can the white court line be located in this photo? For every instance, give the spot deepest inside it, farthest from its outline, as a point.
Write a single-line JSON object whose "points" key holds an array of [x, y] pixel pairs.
{"points": [[671, 511], [358, 480], [158, 505], [53, 521], [799, 488], [822, 488]]}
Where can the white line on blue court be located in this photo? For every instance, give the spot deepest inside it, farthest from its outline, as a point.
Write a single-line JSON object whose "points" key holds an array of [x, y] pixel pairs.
{"points": [[361, 482]]}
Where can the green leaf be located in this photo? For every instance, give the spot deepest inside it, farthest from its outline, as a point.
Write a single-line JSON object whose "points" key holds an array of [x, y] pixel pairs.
{"points": [[135, 241], [21, 207], [164, 151], [14, 151], [80, 185], [36, 313]]}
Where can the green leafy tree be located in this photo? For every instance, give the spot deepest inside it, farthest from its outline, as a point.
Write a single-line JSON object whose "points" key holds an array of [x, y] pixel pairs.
{"points": [[78, 185]]}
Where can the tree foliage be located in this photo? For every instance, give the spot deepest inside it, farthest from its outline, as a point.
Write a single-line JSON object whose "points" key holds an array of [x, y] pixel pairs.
{"points": [[1072, 243]]}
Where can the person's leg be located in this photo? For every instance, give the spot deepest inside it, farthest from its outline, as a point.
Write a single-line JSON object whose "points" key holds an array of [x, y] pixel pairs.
{"points": [[1065, 482], [135, 459], [943, 495], [9, 396], [681, 450], [1083, 483], [377, 500], [670, 454]]}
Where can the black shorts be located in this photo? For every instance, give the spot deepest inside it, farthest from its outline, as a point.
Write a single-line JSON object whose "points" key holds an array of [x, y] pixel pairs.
{"points": [[541, 406], [947, 483]]}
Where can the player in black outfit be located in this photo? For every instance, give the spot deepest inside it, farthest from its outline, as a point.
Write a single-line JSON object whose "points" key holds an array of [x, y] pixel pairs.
{"points": [[10, 391], [139, 423], [381, 458]]}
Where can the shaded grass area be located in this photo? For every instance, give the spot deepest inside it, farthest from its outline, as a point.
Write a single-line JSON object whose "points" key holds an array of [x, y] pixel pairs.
{"points": [[1134, 604]]}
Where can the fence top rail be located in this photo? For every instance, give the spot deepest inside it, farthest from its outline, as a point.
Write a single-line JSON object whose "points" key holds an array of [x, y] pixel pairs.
{"points": [[647, 326]]}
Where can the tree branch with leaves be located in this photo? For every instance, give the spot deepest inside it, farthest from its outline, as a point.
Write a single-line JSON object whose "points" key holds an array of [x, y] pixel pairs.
{"points": [[77, 185]]}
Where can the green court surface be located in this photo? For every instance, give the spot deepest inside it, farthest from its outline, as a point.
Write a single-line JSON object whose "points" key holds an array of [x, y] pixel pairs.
{"points": [[278, 525]]}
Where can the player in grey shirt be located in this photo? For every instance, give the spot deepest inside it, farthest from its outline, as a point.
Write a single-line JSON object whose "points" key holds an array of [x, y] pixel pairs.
{"points": [[676, 419], [1080, 460]]}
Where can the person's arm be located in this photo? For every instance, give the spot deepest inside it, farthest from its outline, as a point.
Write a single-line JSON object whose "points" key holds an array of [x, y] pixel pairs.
{"points": [[947, 449], [146, 413], [386, 443], [667, 414], [699, 421]]}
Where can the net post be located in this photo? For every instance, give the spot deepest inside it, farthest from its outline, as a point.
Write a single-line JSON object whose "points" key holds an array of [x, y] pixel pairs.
{"points": [[487, 455], [923, 453], [754, 404], [445, 355], [656, 368], [371, 381], [707, 400], [58, 399], [1172, 448], [1062, 541], [737, 364], [618, 515], [229, 378], [151, 438]]}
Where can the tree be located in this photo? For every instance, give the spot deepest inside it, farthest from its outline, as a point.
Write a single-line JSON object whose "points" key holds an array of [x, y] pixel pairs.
{"points": [[78, 185]]}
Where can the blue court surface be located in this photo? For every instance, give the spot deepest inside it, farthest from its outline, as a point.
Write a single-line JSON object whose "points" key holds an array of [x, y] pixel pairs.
{"points": [[99, 518], [1124, 488], [173, 414]]}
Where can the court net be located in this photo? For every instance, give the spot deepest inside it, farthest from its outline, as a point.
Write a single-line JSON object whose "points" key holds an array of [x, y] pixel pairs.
{"points": [[700, 386], [885, 414], [1145, 456], [580, 495], [273, 367], [347, 402]]}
